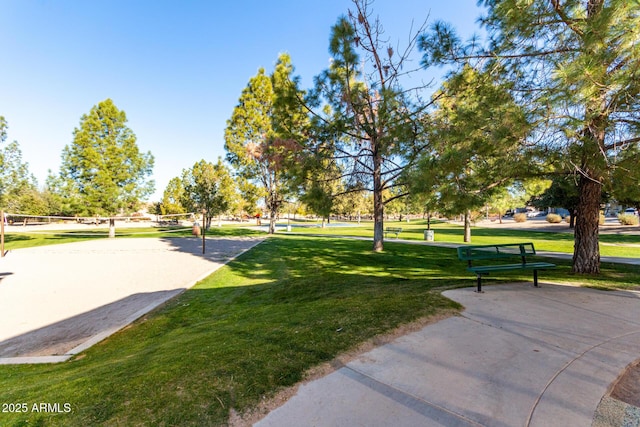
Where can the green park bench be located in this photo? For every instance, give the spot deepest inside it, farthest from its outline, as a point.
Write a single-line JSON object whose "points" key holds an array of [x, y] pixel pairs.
{"points": [[393, 230], [501, 252]]}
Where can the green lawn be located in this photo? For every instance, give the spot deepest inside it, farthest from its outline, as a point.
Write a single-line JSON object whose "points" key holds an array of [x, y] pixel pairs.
{"points": [[252, 328], [610, 244]]}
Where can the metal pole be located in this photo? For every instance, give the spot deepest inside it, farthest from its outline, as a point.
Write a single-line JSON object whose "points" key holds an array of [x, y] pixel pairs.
{"points": [[2, 234], [204, 228]]}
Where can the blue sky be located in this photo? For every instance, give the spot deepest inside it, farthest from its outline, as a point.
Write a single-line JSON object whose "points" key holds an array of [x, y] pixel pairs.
{"points": [[176, 68]]}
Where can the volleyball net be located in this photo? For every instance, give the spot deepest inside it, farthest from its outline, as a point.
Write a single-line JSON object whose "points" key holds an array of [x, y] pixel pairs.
{"points": [[75, 224]]}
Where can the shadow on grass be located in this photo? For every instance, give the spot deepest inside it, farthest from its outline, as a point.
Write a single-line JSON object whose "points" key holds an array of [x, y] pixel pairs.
{"points": [[15, 237]]}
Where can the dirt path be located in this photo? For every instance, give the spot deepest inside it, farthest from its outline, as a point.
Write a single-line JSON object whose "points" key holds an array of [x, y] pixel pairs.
{"points": [[58, 300]]}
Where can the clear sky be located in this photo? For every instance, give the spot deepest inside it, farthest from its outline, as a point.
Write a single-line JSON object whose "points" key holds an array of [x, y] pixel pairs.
{"points": [[176, 68]]}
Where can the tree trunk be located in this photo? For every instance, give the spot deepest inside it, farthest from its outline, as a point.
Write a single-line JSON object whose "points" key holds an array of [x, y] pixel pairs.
{"points": [[112, 228], [273, 204], [586, 252], [378, 205], [572, 219], [467, 227], [272, 221]]}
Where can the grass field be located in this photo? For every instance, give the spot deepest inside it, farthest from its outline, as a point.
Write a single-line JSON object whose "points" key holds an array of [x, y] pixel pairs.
{"points": [[622, 245], [254, 327]]}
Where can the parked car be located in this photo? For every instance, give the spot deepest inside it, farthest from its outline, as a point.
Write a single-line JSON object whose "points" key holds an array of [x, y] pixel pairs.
{"points": [[562, 212], [632, 211]]}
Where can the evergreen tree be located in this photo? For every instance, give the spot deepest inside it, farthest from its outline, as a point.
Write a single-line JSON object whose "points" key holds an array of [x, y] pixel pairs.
{"points": [[575, 67], [103, 164], [18, 187], [260, 135], [477, 144]]}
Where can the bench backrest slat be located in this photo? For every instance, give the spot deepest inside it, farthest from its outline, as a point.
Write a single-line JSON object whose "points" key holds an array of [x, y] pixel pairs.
{"points": [[483, 252]]}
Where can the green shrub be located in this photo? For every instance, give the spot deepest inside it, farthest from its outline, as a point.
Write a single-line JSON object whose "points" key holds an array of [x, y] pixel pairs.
{"points": [[628, 219], [520, 217], [554, 218]]}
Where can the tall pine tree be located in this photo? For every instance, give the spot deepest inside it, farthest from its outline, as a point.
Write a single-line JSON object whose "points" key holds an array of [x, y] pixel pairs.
{"points": [[576, 66], [103, 165], [264, 130]]}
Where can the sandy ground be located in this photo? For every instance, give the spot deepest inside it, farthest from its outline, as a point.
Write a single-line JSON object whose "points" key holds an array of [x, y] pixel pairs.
{"points": [[54, 299]]}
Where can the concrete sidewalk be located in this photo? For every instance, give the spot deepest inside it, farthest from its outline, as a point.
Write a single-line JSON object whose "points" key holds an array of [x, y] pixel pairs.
{"points": [[516, 356]]}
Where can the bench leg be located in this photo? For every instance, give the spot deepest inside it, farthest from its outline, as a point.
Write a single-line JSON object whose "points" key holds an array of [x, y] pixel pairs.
{"points": [[479, 288], [535, 278]]}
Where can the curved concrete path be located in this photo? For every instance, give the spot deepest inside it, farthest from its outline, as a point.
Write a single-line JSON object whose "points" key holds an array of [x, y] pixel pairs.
{"points": [[57, 300], [516, 356]]}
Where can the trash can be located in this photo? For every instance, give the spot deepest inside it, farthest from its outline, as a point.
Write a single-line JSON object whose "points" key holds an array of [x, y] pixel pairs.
{"points": [[196, 229], [429, 235]]}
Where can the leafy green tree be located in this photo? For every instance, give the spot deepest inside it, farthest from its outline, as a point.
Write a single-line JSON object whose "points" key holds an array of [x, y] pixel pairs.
{"points": [[17, 184], [626, 178], [30, 201], [62, 198], [477, 138], [249, 194], [501, 201], [350, 204], [317, 188], [574, 64], [103, 164], [424, 203], [172, 198], [364, 119], [319, 200], [563, 192], [258, 136], [3, 129], [208, 186]]}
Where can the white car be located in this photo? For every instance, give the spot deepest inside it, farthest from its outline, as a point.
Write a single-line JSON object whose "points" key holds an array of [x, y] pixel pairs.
{"points": [[631, 211]]}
